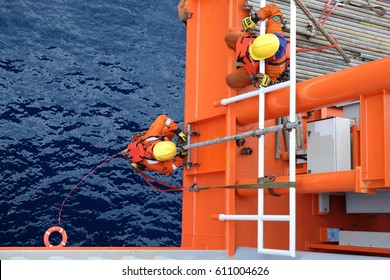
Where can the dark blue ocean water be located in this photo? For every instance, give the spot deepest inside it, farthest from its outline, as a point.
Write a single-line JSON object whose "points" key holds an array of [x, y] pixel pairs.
{"points": [[77, 78]]}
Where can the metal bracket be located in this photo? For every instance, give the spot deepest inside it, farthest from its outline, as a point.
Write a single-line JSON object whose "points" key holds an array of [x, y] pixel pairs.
{"points": [[194, 187], [340, 3], [191, 164], [188, 164]]}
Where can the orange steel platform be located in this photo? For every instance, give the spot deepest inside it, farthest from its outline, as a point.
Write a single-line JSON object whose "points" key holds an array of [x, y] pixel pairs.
{"points": [[208, 62]]}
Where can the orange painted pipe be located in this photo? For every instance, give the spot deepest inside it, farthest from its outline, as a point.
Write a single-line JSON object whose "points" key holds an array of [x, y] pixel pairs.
{"points": [[334, 88], [340, 181]]}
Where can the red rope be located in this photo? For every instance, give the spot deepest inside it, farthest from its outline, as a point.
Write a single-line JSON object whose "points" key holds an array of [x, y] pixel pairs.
{"points": [[321, 48], [82, 180], [171, 188], [328, 14], [323, 23]]}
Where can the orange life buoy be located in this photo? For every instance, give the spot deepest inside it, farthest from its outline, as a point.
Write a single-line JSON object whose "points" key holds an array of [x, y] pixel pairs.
{"points": [[50, 231]]}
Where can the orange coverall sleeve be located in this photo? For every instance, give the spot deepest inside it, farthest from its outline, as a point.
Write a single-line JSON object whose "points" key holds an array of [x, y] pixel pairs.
{"points": [[163, 125], [158, 126], [274, 24], [274, 15]]}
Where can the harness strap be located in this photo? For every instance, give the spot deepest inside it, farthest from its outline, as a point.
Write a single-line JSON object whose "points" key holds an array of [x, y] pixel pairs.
{"points": [[262, 183], [330, 12], [146, 144], [278, 63]]}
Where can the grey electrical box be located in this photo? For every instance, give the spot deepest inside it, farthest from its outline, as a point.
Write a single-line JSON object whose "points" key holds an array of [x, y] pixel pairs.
{"points": [[328, 145], [368, 203]]}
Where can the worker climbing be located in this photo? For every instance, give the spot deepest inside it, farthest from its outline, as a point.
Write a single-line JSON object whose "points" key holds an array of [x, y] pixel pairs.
{"points": [[183, 12], [271, 47], [154, 150]]}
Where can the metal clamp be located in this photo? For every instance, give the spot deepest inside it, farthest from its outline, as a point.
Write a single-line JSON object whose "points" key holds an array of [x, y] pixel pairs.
{"points": [[194, 188]]}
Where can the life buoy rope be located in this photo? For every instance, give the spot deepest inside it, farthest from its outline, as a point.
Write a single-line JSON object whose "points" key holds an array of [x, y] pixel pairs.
{"points": [[50, 231], [82, 180], [147, 178]]}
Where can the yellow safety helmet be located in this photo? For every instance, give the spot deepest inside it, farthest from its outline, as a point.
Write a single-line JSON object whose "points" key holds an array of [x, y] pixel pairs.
{"points": [[264, 46], [164, 150]]}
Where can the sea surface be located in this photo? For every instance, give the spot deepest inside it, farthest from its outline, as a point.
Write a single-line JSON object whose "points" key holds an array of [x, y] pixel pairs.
{"points": [[77, 79]]}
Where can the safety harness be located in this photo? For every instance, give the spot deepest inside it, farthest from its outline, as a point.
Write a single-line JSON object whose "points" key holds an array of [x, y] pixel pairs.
{"points": [[244, 60], [138, 148]]}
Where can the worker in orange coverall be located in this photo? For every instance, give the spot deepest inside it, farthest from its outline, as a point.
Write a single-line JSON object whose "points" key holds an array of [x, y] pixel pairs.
{"points": [[154, 150], [183, 13], [249, 49]]}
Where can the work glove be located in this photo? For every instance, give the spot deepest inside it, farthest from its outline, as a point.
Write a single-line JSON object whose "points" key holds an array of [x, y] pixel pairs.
{"points": [[182, 137], [250, 22], [261, 79], [138, 166], [125, 154], [183, 153]]}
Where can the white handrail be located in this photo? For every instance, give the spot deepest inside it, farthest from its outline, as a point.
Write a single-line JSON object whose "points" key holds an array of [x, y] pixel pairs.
{"points": [[250, 94], [276, 218]]}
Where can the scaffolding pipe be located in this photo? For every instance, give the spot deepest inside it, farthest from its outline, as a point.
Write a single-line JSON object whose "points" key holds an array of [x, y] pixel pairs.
{"points": [[253, 133], [360, 46], [322, 30]]}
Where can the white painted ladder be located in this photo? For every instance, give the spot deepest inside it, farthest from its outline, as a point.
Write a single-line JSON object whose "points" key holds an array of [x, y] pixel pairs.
{"points": [[261, 217]]}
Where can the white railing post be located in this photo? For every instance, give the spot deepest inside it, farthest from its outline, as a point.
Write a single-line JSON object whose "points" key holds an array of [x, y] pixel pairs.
{"points": [[292, 151], [260, 168]]}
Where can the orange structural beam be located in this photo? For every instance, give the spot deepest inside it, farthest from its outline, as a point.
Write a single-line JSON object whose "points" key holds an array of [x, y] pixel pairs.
{"points": [[346, 249], [375, 138], [364, 80], [208, 61]]}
